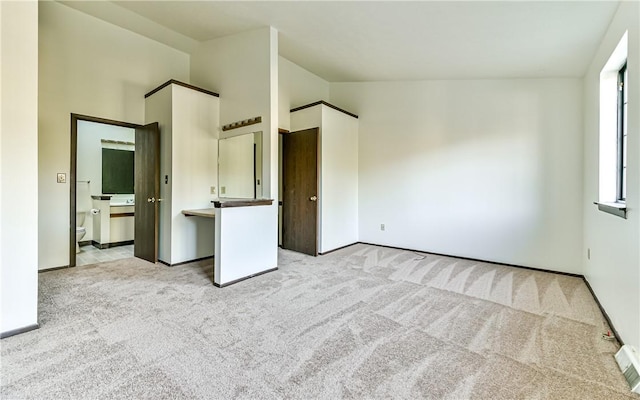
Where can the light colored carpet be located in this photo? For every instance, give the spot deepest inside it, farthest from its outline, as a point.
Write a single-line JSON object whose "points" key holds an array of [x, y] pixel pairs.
{"points": [[363, 322]]}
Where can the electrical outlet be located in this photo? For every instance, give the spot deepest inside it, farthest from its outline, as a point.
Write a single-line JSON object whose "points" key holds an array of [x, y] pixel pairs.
{"points": [[381, 227], [213, 190], [62, 178], [223, 189]]}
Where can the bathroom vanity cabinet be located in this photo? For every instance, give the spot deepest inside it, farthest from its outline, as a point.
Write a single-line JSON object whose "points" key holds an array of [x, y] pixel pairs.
{"points": [[121, 223], [113, 223], [189, 122], [337, 172]]}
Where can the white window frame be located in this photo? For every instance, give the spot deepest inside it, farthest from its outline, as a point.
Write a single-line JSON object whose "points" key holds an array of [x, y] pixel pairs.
{"points": [[611, 196]]}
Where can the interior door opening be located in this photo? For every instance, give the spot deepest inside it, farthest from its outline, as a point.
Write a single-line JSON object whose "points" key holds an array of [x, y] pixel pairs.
{"points": [[300, 191], [103, 178]]}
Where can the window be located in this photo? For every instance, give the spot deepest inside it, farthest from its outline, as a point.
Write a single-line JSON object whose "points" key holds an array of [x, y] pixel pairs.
{"points": [[612, 190], [621, 176]]}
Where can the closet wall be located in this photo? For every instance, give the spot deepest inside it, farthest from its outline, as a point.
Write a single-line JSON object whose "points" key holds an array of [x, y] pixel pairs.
{"points": [[189, 124], [338, 173]]}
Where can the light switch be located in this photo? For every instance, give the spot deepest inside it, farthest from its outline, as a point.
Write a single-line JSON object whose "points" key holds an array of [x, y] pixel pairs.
{"points": [[223, 189], [213, 190], [62, 177]]}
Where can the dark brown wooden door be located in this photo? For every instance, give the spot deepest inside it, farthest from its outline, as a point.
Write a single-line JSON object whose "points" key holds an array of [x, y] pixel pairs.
{"points": [[147, 190], [300, 191]]}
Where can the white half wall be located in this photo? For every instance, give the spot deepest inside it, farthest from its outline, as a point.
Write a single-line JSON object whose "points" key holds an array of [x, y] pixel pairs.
{"points": [[18, 165], [245, 243], [90, 67], [486, 169], [613, 271]]}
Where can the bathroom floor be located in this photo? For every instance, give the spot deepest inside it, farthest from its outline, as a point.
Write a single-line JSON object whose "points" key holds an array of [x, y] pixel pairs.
{"points": [[92, 255]]}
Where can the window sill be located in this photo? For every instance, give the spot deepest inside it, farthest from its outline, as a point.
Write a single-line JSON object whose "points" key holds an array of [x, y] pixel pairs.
{"points": [[617, 209]]}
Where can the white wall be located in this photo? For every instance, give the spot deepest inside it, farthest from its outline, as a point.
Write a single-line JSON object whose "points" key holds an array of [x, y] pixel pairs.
{"points": [[614, 268], [86, 66], [189, 123], [486, 169], [297, 87], [243, 68], [18, 165], [89, 167], [158, 108], [194, 170], [339, 179], [240, 68]]}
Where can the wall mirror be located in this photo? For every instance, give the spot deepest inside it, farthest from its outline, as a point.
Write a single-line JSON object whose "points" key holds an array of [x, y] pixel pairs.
{"points": [[240, 166]]}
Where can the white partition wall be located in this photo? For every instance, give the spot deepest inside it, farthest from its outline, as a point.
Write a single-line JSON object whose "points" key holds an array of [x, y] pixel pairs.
{"points": [[189, 123], [244, 243], [338, 177], [243, 68]]}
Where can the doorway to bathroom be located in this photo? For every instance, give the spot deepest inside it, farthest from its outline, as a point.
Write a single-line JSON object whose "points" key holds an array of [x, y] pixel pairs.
{"points": [[114, 171]]}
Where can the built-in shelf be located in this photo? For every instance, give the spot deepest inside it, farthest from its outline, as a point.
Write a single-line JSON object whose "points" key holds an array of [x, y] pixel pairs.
{"points": [[225, 203], [202, 212], [617, 209]]}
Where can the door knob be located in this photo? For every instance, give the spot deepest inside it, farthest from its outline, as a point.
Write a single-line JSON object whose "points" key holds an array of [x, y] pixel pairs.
{"points": [[313, 198], [151, 200]]}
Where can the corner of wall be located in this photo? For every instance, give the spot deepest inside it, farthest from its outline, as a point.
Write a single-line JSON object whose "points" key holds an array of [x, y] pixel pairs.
{"points": [[18, 152], [612, 243]]}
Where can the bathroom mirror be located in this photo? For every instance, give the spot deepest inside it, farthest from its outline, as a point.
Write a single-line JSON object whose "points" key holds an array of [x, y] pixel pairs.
{"points": [[240, 166]]}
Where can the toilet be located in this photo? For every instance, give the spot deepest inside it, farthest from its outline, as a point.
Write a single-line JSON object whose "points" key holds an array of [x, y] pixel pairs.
{"points": [[80, 230]]}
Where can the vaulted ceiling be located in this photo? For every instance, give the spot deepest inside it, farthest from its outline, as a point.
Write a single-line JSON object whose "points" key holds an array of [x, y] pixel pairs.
{"points": [[389, 40]]}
